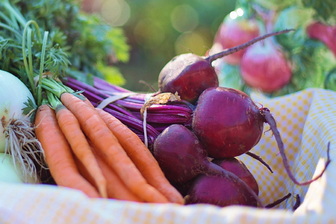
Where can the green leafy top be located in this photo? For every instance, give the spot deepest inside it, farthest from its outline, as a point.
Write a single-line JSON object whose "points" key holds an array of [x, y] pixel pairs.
{"points": [[76, 43], [325, 10]]}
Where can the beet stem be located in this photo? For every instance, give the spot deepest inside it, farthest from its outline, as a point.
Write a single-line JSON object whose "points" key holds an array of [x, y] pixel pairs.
{"points": [[278, 201], [272, 123], [297, 202], [232, 50], [254, 156], [217, 170]]}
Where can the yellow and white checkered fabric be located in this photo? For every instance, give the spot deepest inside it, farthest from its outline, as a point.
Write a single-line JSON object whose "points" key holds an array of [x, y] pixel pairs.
{"points": [[307, 122]]}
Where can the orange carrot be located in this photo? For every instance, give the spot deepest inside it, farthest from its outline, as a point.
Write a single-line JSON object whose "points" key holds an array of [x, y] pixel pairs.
{"points": [[142, 157], [106, 143], [70, 127], [116, 189], [58, 154]]}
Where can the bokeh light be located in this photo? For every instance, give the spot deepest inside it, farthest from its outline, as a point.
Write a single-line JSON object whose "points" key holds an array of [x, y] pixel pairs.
{"points": [[158, 30], [192, 42], [236, 13], [148, 30], [116, 12], [184, 18]]}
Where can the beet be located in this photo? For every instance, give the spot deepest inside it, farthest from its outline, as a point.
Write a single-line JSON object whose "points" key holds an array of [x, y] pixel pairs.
{"points": [[189, 74], [265, 67], [324, 33], [238, 168], [234, 32], [227, 122], [179, 153], [182, 158], [224, 191], [220, 191]]}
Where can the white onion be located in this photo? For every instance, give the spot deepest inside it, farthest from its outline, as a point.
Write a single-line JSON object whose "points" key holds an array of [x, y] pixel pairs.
{"points": [[8, 172], [13, 95], [17, 136]]}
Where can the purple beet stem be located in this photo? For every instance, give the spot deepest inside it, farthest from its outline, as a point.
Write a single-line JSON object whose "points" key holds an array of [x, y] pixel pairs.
{"points": [[272, 123], [232, 50], [127, 110]]}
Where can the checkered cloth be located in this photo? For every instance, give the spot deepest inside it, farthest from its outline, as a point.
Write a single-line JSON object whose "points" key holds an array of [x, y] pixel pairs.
{"points": [[307, 122]]}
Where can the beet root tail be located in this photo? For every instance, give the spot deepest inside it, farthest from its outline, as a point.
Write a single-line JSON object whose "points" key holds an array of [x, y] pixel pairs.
{"points": [[269, 119]]}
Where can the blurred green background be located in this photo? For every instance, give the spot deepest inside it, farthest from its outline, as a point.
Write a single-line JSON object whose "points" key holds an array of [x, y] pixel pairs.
{"points": [[158, 30]]}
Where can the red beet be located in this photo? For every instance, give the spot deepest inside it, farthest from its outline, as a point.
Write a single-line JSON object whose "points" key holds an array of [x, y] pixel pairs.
{"points": [[219, 190], [265, 67], [179, 154], [227, 122], [223, 191], [234, 32], [182, 158], [189, 74], [238, 168], [324, 33]]}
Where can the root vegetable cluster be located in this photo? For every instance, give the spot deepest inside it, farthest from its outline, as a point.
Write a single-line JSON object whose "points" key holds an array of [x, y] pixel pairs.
{"points": [[220, 124], [87, 148], [177, 145]]}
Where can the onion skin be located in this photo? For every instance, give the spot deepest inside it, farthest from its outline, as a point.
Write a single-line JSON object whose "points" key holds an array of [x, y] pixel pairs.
{"points": [[264, 67], [13, 95], [227, 122], [8, 172]]}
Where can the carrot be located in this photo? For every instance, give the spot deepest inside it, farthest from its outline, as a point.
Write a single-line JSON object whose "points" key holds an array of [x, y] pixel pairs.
{"points": [[88, 102], [141, 156], [116, 189], [58, 154], [106, 143], [70, 127]]}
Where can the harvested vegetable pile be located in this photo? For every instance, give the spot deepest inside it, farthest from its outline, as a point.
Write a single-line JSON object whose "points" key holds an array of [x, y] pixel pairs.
{"points": [[185, 148], [35, 37], [83, 147], [184, 157], [177, 145]]}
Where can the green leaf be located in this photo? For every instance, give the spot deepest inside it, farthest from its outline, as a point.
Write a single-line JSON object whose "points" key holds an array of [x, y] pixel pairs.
{"points": [[57, 61], [299, 19], [330, 81], [76, 39], [119, 44], [111, 74], [229, 76], [30, 108], [276, 5], [325, 10]]}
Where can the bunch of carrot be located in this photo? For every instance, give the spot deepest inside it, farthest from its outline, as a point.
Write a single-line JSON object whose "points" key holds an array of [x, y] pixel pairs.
{"points": [[90, 150]]}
